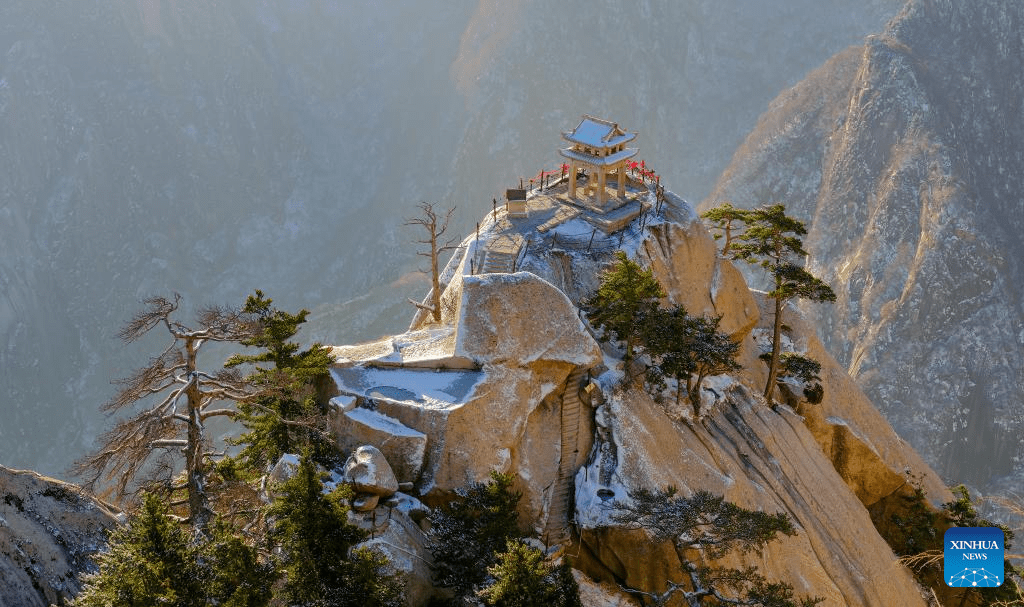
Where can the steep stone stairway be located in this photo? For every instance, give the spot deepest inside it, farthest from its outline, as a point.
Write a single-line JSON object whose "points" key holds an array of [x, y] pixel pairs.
{"points": [[557, 528], [498, 261]]}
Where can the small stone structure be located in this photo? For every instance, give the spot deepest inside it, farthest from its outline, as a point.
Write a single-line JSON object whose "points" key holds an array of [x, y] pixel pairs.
{"points": [[600, 146], [515, 203]]}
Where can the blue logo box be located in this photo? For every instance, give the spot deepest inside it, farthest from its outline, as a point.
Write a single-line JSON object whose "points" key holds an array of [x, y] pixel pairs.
{"points": [[973, 556]]}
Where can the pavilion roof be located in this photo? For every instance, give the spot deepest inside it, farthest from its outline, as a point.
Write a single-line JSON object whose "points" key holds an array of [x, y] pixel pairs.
{"points": [[609, 160], [598, 133]]}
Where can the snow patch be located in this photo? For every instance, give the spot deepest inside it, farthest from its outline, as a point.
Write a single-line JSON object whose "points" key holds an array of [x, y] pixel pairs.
{"points": [[381, 422]]}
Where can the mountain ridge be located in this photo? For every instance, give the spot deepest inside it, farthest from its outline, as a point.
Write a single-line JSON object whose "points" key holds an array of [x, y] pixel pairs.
{"points": [[908, 171]]}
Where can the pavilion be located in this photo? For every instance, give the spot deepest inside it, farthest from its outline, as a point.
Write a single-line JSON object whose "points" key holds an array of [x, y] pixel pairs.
{"points": [[600, 146]]}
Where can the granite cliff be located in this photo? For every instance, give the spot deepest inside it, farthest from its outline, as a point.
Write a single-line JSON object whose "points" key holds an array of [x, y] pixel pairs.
{"points": [[512, 380], [48, 532], [905, 156], [148, 147]]}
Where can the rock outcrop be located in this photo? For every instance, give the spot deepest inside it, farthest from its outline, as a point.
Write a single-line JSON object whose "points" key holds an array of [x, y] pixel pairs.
{"points": [[905, 157], [522, 336], [48, 532], [759, 459]]}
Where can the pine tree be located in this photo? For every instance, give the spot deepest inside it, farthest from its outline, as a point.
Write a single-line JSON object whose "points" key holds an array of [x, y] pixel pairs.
{"points": [[715, 527], [435, 227], [316, 541], [237, 577], [771, 239], [285, 417], [686, 348], [522, 578], [802, 368], [724, 219], [150, 561], [153, 561], [627, 292], [174, 398], [467, 533]]}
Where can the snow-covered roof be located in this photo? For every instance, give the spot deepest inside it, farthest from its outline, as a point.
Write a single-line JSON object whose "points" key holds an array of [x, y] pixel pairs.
{"points": [[599, 160], [598, 133]]}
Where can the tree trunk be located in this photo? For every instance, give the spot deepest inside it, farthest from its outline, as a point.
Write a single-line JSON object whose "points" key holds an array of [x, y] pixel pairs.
{"points": [[694, 398], [198, 504], [435, 275], [773, 366]]}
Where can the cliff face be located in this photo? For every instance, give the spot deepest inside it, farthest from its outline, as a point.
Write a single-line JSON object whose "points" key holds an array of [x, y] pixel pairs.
{"points": [[905, 156], [511, 380], [212, 148], [48, 532]]}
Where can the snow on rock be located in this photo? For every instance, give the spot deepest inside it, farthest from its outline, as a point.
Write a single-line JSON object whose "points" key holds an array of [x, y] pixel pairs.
{"points": [[284, 468], [757, 458], [402, 446], [369, 472], [519, 319], [396, 535], [904, 157], [604, 594], [343, 402], [523, 333], [48, 532], [685, 261]]}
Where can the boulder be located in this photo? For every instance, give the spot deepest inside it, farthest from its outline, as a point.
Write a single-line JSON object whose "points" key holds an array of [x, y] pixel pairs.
{"points": [[396, 535], [518, 319], [402, 446], [49, 531], [365, 502], [368, 471], [685, 261]]}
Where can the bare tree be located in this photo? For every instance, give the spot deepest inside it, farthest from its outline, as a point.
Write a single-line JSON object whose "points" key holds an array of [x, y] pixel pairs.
{"points": [[176, 400], [435, 226]]}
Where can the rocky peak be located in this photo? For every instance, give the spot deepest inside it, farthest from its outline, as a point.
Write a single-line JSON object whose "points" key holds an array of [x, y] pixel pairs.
{"points": [[904, 155], [512, 380]]}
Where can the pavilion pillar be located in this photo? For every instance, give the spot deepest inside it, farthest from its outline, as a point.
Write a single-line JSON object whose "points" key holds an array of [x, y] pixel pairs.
{"points": [[621, 176], [572, 179], [602, 179]]}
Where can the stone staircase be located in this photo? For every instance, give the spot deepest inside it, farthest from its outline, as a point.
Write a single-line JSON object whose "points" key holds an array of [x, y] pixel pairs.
{"points": [[498, 262], [557, 529]]}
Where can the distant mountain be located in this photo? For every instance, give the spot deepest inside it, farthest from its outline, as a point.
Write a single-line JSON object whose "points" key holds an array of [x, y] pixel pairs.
{"points": [[906, 156], [213, 148]]}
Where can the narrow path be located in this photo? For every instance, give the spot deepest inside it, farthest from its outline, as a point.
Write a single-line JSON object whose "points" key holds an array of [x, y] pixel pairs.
{"points": [[557, 528]]}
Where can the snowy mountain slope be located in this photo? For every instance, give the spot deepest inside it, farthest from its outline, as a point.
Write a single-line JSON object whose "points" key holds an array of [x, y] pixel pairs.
{"points": [[906, 157]]}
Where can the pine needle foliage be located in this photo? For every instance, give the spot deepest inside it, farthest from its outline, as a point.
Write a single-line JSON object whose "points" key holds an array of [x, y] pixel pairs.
{"points": [[153, 561], [803, 369], [468, 532], [771, 239], [523, 578], [686, 348], [285, 417], [916, 534], [627, 292], [316, 540], [715, 527]]}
